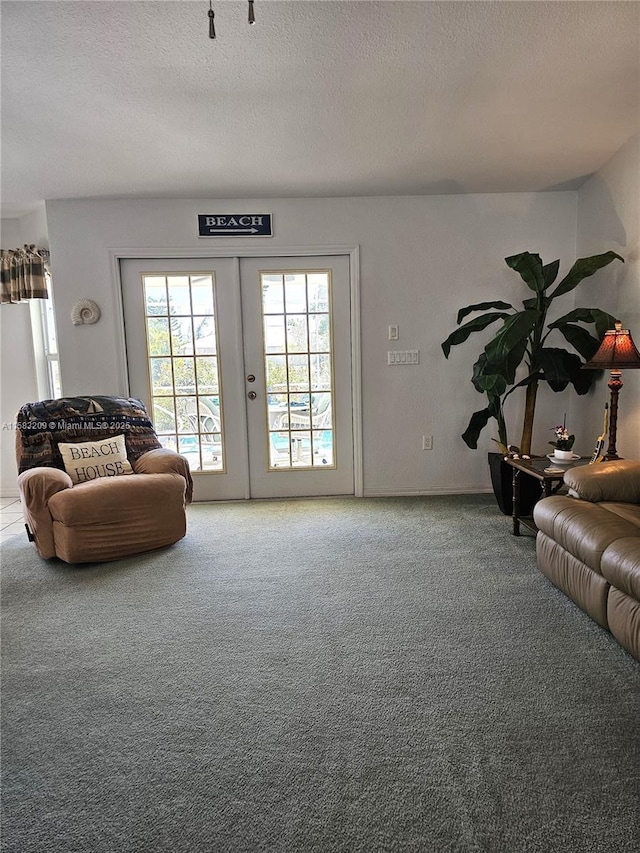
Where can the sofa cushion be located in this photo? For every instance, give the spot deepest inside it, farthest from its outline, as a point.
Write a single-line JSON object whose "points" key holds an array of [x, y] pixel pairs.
{"points": [[630, 512], [617, 480], [117, 517], [620, 565], [115, 499], [583, 529], [110, 527], [587, 588]]}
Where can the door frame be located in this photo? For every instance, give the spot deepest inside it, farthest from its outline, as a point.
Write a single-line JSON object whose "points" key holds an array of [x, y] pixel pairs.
{"points": [[262, 251]]}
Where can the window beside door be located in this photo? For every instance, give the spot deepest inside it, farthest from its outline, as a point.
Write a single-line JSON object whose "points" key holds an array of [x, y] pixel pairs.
{"points": [[45, 344]]}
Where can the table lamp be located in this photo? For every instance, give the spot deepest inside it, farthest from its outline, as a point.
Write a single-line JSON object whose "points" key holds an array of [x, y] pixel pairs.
{"points": [[617, 350]]}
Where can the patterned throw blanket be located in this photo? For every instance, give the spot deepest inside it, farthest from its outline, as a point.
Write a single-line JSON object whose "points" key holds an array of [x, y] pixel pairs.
{"points": [[41, 426]]}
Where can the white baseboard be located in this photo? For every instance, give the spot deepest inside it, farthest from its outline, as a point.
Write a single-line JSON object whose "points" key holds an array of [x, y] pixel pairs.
{"points": [[408, 493]]}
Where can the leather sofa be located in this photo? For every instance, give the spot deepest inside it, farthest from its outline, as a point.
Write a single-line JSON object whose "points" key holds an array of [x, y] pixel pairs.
{"points": [[588, 545]]}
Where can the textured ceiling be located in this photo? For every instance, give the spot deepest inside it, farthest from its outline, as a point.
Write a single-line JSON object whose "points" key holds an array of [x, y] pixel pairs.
{"points": [[132, 99]]}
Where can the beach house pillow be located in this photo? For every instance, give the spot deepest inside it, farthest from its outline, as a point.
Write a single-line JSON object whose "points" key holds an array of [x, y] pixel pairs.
{"points": [[93, 459]]}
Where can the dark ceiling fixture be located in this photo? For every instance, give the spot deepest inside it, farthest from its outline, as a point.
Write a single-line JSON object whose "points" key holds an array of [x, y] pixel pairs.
{"points": [[212, 14]]}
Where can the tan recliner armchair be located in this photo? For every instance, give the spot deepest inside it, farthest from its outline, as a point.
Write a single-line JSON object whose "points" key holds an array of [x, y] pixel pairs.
{"points": [[102, 517]]}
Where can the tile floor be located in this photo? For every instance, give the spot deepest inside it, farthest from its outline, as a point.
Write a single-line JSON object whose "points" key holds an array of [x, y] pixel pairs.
{"points": [[11, 521]]}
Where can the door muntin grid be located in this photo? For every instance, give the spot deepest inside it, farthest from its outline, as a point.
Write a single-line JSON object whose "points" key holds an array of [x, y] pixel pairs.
{"points": [[183, 365], [298, 368]]}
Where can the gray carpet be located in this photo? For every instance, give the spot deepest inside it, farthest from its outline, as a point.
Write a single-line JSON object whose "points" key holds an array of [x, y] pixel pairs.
{"points": [[326, 675]]}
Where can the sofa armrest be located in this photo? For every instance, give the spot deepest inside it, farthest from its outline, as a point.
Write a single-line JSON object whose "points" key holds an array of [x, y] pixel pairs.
{"points": [[165, 461], [37, 486], [618, 480]]}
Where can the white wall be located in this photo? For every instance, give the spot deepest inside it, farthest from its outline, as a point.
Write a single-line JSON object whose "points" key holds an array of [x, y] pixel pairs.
{"points": [[422, 258], [609, 218], [17, 371]]}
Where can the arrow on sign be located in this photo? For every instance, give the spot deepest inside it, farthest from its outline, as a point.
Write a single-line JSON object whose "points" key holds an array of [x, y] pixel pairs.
{"points": [[232, 230]]}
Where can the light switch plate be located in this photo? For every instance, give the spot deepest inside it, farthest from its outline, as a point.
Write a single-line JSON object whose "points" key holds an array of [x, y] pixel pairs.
{"points": [[406, 356]]}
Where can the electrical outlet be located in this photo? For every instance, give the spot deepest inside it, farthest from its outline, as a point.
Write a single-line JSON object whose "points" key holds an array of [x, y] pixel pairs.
{"points": [[427, 442]]}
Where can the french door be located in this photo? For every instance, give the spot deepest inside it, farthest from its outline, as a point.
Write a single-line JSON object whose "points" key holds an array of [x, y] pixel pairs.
{"points": [[245, 367]]}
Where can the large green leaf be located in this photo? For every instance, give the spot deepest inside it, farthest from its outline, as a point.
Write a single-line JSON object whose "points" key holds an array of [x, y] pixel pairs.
{"points": [[583, 268], [561, 368], [490, 383], [478, 422], [600, 319], [530, 268], [550, 273], [476, 325], [509, 364], [481, 306], [580, 339], [506, 351]]}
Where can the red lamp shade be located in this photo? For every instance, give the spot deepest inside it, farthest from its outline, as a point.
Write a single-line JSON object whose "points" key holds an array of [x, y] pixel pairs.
{"points": [[616, 352]]}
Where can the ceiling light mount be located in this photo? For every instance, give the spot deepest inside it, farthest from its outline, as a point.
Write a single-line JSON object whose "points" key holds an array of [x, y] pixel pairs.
{"points": [[211, 15]]}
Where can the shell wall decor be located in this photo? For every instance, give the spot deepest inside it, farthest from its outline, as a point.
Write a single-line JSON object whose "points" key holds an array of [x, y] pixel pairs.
{"points": [[85, 311]]}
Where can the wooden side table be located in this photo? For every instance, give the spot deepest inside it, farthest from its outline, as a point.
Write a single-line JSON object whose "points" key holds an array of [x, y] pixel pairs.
{"points": [[549, 484]]}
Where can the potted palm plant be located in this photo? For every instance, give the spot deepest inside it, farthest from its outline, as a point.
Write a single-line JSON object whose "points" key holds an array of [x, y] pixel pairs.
{"points": [[519, 355]]}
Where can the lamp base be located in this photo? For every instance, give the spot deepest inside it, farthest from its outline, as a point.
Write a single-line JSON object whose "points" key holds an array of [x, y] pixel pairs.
{"points": [[615, 384]]}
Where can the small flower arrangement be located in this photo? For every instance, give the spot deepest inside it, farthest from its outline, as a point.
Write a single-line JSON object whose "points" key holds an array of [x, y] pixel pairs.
{"points": [[563, 441]]}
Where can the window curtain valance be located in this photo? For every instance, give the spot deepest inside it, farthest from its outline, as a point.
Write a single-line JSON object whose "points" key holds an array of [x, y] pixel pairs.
{"points": [[24, 274]]}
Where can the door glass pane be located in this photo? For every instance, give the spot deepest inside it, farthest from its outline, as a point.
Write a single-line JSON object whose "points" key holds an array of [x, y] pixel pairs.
{"points": [[319, 332], [207, 374], [274, 334], [298, 369], [205, 335], [186, 414], [155, 288], [299, 383], [297, 333], [158, 336], [318, 290], [320, 372], [179, 295], [184, 371], [272, 293], [186, 393], [295, 292], [164, 415], [276, 373], [181, 336], [161, 376], [202, 295]]}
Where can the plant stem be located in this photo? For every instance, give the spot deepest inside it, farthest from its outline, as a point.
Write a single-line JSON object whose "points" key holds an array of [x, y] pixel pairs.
{"points": [[527, 425], [502, 427]]}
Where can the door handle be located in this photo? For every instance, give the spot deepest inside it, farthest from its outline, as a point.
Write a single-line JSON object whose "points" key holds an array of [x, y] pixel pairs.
{"points": [[252, 395]]}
